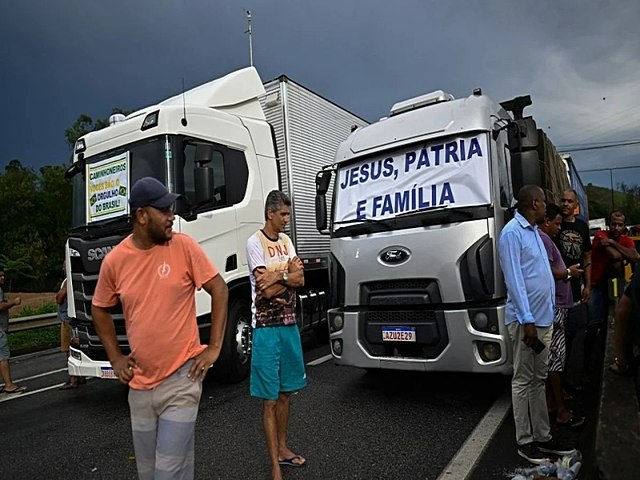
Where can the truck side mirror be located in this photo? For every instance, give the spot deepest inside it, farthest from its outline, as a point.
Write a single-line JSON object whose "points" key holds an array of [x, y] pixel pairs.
{"points": [[202, 173], [321, 212], [323, 179], [524, 144], [203, 182], [525, 169], [204, 153], [76, 167]]}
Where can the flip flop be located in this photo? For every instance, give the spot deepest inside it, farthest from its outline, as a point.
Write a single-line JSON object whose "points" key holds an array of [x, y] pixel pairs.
{"points": [[289, 462], [15, 390], [68, 386]]}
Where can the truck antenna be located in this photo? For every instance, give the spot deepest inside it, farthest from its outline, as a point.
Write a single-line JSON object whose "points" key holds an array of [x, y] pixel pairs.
{"points": [[248, 13], [184, 107]]}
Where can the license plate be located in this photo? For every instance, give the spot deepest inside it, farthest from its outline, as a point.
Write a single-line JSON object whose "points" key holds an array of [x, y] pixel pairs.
{"points": [[107, 372], [398, 334]]}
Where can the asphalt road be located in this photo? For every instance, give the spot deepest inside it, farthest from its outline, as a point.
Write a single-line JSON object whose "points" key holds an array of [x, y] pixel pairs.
{"points": [[348, 423]]}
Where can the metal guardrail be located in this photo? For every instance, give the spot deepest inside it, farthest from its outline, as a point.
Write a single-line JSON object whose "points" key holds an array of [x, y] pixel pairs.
{"points": [[34, 321]]}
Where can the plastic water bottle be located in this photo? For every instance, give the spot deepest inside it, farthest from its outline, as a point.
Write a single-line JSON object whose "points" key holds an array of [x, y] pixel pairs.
{"points": [[573, 471], [570, 459], [546, 468]]}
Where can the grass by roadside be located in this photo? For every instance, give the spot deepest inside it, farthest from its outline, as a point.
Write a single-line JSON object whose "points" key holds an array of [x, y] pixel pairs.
{"points": [[28, 311], [34, 340], [28, 341]]}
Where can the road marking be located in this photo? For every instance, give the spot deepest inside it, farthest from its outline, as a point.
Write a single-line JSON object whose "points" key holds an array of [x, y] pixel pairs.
{"points": [[319, 361], [37, 376], [462, 464], [13, 396], [41, 375]]}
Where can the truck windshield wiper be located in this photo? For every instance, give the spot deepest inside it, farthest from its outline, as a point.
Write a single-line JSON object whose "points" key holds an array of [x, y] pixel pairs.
{"points": [[446, 210], [382, 221], [423, 210], [450, 214], [359, 226], [105, 224]]}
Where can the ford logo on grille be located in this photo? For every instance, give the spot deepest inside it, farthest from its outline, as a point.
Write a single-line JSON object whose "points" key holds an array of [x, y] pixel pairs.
{"points": [[394, 255]]}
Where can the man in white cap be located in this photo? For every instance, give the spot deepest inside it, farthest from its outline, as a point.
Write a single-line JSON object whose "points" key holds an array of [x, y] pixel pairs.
{"points": [[154, 274]]}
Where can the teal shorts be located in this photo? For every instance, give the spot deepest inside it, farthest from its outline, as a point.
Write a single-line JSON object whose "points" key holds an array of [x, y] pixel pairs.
{"points": [[277, 365]]}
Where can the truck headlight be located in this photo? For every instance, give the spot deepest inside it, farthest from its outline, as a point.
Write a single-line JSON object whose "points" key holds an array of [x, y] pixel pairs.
{"points": [[480, 321], [337, 322], [336, 345], [484, 321], [489, 351]]}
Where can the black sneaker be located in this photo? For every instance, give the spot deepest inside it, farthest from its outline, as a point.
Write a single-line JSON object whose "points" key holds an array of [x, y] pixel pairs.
{"points": [[553, 446], [532, 453]]}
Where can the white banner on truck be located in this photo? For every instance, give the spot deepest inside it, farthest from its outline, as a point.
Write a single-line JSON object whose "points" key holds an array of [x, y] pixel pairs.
{"points": [[107, 188], [452, 174]]}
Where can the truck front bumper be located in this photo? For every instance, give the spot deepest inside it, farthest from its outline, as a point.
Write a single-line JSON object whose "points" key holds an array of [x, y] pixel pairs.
{"points": [[82, 366], [455, 345]]}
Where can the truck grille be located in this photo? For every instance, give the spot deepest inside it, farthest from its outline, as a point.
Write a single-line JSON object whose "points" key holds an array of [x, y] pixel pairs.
{"points": [[393, 317], [404, 292], [429, 326], [84, 278]]}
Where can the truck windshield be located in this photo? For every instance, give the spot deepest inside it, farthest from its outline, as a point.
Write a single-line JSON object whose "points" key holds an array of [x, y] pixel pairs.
{"points": [[111, 173], [428, 183]]}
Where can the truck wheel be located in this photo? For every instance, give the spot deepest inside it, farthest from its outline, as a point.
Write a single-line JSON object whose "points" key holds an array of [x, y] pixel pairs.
{"points": [[234, 363], [322, 333]]}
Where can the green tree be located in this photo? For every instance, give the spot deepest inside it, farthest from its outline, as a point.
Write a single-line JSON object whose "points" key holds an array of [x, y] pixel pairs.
{"points": [[54, 216], [18, 198], [35, 214], [16, 268], [85, 124]]}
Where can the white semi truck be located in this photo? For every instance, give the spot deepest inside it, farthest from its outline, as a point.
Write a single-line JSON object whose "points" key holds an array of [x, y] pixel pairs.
{"points": [[419, 200], [224, 146]]}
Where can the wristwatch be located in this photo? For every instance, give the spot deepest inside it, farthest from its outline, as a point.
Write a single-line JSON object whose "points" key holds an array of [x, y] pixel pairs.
{"points": [[285, 277], [568, 274]]}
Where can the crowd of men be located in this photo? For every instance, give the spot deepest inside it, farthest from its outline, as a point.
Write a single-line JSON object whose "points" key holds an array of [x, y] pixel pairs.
{"points": [[557, 285]]}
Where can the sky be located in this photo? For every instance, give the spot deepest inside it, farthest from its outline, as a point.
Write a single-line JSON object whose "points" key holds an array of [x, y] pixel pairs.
{"points": [[579, 60]]}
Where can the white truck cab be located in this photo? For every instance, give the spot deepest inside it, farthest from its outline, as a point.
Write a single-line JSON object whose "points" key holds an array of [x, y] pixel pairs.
{"points": [[418, 203], [223, 146]]}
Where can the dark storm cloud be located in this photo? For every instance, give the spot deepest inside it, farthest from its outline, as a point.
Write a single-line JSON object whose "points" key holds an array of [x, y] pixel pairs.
{"points": [[63, 58]]}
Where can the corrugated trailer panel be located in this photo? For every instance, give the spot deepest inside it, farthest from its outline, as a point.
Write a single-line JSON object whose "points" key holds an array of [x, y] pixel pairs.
{"points": [[274, 112], [316, 127]]}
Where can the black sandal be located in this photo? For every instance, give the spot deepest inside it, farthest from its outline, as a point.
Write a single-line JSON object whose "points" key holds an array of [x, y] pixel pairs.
{"points": [[619, 368]]}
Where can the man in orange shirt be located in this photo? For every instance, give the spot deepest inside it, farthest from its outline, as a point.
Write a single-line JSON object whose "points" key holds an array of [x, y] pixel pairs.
{"points": [[154, 273]]}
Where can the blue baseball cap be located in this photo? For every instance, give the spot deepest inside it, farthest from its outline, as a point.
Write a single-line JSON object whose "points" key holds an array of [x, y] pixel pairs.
{"points": [[149, 192]]}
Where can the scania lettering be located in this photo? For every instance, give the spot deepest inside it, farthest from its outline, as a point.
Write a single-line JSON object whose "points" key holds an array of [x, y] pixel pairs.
{"points": [[223, 146], [98, 253], [418, 202]]}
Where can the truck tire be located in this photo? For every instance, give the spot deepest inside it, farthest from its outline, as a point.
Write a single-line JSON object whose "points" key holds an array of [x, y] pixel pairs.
{"points": [[234, 363], [322, 333]]}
